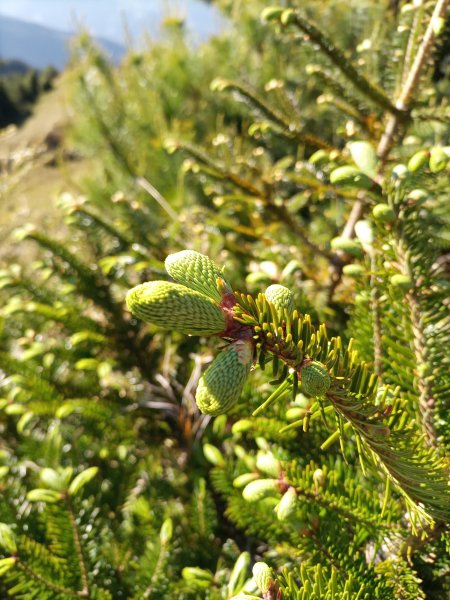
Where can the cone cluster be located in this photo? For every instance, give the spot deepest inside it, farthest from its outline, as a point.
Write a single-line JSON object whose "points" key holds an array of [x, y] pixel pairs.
{"points": [[199, 302], [191, 306]]}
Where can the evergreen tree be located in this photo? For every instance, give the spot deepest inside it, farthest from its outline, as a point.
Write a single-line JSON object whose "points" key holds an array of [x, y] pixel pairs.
{"points": [[282, 188]]}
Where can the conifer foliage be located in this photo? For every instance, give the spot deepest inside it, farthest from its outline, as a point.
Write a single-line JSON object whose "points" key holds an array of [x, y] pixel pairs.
{"points": [[230, 379]]}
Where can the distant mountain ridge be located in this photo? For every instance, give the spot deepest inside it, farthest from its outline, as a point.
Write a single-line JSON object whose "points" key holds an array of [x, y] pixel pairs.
{"points": [[8, 67], [40, 46]]}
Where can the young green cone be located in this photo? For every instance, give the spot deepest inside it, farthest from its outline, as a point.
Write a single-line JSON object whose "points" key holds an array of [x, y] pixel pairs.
{"points": [[287, 505], [351, 176], [383, 212], [239, 573], [174, 306], [197, 272], [280, 296], [267, 463], [213, 455], [262, 574], [351, 247], [315, 378], [221, 384], [402, 282], [260, 489], [242, 480]]}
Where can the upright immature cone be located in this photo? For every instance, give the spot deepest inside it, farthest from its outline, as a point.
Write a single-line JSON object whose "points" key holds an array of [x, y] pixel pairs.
{"points": [[239, 573], [351, 176], [197, 272], [402, 282], [222, 382], [315, 378], [173, 306], [262, 574], [383, 212], [260, 489], [287, 505], [267, 463], [280, 296], [352, 247]]}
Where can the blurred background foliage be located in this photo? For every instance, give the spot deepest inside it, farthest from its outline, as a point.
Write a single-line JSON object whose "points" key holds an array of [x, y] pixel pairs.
{"points": [[228, 149]]}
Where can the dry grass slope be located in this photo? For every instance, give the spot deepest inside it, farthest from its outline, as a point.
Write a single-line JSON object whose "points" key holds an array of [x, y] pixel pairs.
{"points": [[37, 165]]}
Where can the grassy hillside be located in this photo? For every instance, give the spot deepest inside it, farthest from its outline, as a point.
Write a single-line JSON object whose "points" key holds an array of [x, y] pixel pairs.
{"points": [[36, 165]]}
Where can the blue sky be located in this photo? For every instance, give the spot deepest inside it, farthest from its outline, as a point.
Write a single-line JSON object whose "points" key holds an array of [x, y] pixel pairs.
{"points": [[106, 18]]}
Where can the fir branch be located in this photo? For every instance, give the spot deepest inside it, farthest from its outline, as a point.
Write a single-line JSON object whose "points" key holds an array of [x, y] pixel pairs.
{"points": [[78, 548], [376, 317], [327, 79], [68, 316], [90, 282], [219, 171], [280, 211], [336, 504], [346, 108], [156, 572], [435, 113], [34, 287], [36, 383], [418, 474], [338, 58], [414, 254], [290, 129], [308, 181], [401, 579], [413, 38], [85, 211], [314, 582], [305, 533], [47, 583], [425, 389], [93, 286], [429, 38], [107, 134], [353, 390]]}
